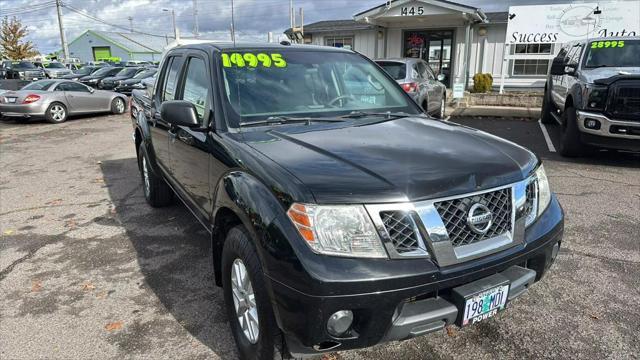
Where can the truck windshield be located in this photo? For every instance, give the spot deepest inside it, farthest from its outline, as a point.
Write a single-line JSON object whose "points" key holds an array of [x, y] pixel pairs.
{"points": [[612, 53], [261, 84]]}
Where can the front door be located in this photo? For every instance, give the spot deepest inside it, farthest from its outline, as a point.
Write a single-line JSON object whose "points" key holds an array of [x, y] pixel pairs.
{"points": [[433, 46], [189, 148], [160, 127]]}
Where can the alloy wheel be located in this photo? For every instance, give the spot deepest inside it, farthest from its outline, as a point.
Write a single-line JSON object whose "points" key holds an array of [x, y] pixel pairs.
{"points": [[119, 106], [244, 301], [145, 175], [57, 112]]}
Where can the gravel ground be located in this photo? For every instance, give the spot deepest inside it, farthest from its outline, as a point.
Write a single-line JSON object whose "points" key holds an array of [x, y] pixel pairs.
{"points": [[88, 270]]}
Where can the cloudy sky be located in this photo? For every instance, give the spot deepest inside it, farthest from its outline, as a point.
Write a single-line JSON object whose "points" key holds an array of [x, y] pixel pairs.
{"points": [[254, 18]]}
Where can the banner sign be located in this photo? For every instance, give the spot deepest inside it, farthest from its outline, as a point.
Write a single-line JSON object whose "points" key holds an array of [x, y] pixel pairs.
{"points": [[563, 23]]}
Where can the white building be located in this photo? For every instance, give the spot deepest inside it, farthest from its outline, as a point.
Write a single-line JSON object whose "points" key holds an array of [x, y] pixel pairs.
{"points": [[460, 41]]}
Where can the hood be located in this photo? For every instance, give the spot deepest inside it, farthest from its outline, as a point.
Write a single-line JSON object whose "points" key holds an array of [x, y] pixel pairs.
{"points": [[131, 81], [393, 161], [592, 75]]}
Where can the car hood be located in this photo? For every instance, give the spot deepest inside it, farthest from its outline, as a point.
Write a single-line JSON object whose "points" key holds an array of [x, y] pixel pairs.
{"points": [[66, 71], [131, 81], [591, 75], [115, 78], [392, 161]]}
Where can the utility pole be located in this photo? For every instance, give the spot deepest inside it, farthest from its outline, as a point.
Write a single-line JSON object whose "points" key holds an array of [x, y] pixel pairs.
{"points": [[173, 20], [130, 18], [63, 39], [195, 19], [233, 25]]}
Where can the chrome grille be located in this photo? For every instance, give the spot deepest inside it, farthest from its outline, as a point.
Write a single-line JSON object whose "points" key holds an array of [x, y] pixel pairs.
{"points": [[454, 215], [402, 230]]}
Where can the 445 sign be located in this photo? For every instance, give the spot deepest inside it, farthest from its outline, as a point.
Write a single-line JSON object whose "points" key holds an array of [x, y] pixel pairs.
{"points": [[412, 10]]}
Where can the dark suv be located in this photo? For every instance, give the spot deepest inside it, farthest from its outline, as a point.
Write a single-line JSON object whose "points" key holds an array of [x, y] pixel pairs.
{"points": [[341, 216], [593, 92], [21, 70]]}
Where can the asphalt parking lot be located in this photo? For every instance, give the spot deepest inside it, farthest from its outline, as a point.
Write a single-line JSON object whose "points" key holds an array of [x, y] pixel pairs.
{"points": [[88, 270]]}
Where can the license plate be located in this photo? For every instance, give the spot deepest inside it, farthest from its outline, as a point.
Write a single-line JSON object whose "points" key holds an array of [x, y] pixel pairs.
{"points": [[11, 100], [485, 305]]}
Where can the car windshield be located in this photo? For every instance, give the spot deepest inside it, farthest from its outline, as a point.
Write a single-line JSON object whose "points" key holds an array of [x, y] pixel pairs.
{"points": [[102, 71], [396, 70], [127, 72], [262, 84], [22, 65], [54, 66], [612, 53], [145, 74], [84, 70], [38, 85]]}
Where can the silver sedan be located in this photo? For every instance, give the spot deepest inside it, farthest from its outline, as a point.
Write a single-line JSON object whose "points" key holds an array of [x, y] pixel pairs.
{"points": [[55, 100]]}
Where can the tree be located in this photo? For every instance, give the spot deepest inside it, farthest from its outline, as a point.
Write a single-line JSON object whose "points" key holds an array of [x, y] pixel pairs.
{"points": [[12, 43]]}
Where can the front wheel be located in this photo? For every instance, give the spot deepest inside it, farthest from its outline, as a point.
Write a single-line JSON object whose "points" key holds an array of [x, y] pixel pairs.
{"points": [[247, 301], [118, 106], [570, 143]]}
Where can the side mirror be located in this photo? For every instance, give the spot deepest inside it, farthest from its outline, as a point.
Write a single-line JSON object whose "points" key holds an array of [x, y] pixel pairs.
{"points": [[559, 65], [91, 90], [570, 69], [179, 112], [441, 77]]}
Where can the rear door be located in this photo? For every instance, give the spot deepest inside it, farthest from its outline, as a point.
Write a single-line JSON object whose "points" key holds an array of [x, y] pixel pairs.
{"points": [[189, 148], [159, 127]]}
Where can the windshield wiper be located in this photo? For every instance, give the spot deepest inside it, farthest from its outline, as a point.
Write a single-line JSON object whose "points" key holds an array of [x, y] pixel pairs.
{"points": [[277, 120], [388, 114]]}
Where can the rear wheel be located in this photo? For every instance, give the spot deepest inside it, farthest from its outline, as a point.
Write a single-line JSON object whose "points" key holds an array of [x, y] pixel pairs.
{"points": [[156, 191], [546, 116], [56, 113], [570, 144], [249, 310], [118, 106]]}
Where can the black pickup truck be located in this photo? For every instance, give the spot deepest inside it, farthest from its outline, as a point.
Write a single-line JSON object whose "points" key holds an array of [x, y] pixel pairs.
{"points": [[341, 216], [593, 92]]}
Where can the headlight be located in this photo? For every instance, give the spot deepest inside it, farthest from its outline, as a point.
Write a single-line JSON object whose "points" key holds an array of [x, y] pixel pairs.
{"points": [[75, 79], [93, 80], [341, 230], [21, 73], [544, 192], [138, 86], [595, 96]]}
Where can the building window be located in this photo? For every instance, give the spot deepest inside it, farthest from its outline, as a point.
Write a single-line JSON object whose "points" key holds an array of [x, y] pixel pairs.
{"points": [[340, 41], [533, 49], [530, 67]]}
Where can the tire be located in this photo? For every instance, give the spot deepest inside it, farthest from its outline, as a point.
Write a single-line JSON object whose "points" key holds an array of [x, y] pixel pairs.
{"points": [[425, 107], [118, 106], [547, 108], [56, 113], [441, 111], [570, 144], [239, 253], [156, 191]]}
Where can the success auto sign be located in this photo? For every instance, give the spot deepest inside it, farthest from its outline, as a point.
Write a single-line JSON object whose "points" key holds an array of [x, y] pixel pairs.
{"points": [[562, 23]]}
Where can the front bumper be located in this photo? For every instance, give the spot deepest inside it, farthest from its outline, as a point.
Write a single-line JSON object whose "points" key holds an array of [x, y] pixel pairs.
{"points": [[386, 314], [620, 129]]}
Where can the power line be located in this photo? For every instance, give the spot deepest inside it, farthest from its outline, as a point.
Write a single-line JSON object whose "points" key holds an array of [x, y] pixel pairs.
{"points": [[95, 18]]}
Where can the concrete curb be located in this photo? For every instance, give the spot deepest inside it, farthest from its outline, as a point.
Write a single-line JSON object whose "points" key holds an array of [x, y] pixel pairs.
{"points": [[496, 111]]}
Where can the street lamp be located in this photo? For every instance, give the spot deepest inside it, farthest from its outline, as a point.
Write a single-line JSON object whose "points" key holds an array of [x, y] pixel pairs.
{"points": [[173, 19]]}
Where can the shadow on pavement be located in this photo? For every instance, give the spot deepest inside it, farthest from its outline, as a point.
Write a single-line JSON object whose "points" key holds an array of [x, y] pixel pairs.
{"points": [[174, 254]]}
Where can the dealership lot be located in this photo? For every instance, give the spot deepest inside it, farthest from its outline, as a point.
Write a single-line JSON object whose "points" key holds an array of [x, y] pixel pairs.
{"points": [[88, 270]]}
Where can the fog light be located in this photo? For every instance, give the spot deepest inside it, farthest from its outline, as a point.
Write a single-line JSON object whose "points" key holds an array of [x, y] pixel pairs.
{"points": [[340, 322], [592, 124]]}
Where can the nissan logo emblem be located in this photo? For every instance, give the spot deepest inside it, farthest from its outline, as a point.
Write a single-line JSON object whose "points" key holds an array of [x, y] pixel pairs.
{"points": [[479, 219]]}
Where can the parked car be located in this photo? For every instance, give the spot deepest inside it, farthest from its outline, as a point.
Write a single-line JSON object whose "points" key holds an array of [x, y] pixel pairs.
{"points": [[593, 92], [126, 86], [341, 216], [22, 70], [418, 79], [136, 63], [110, 82], [95, 78], [53, 70], [82, 72], [55, 100], [73, 66]]}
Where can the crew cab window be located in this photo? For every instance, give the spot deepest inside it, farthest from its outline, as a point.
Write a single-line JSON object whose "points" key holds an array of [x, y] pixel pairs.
{"points": [[71, 86], [196, 88], [170, 82], [574, 55]]}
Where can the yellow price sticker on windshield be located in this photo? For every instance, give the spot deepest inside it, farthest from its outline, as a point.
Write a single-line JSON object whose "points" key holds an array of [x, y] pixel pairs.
{"points": [[253, 60], [607, 44]]}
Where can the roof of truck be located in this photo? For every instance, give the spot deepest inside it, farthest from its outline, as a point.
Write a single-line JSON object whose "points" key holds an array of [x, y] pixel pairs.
{"points": [[267, 46]]}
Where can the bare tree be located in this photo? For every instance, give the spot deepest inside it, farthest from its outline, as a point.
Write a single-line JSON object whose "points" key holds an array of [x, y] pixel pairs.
{"points": [[12, 43]]}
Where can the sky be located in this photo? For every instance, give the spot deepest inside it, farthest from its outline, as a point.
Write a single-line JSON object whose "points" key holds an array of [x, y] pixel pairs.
{"points": [[253, 18]]}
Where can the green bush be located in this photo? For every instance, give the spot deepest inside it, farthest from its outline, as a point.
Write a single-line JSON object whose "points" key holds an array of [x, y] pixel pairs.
{"points": [[482, 83]]}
